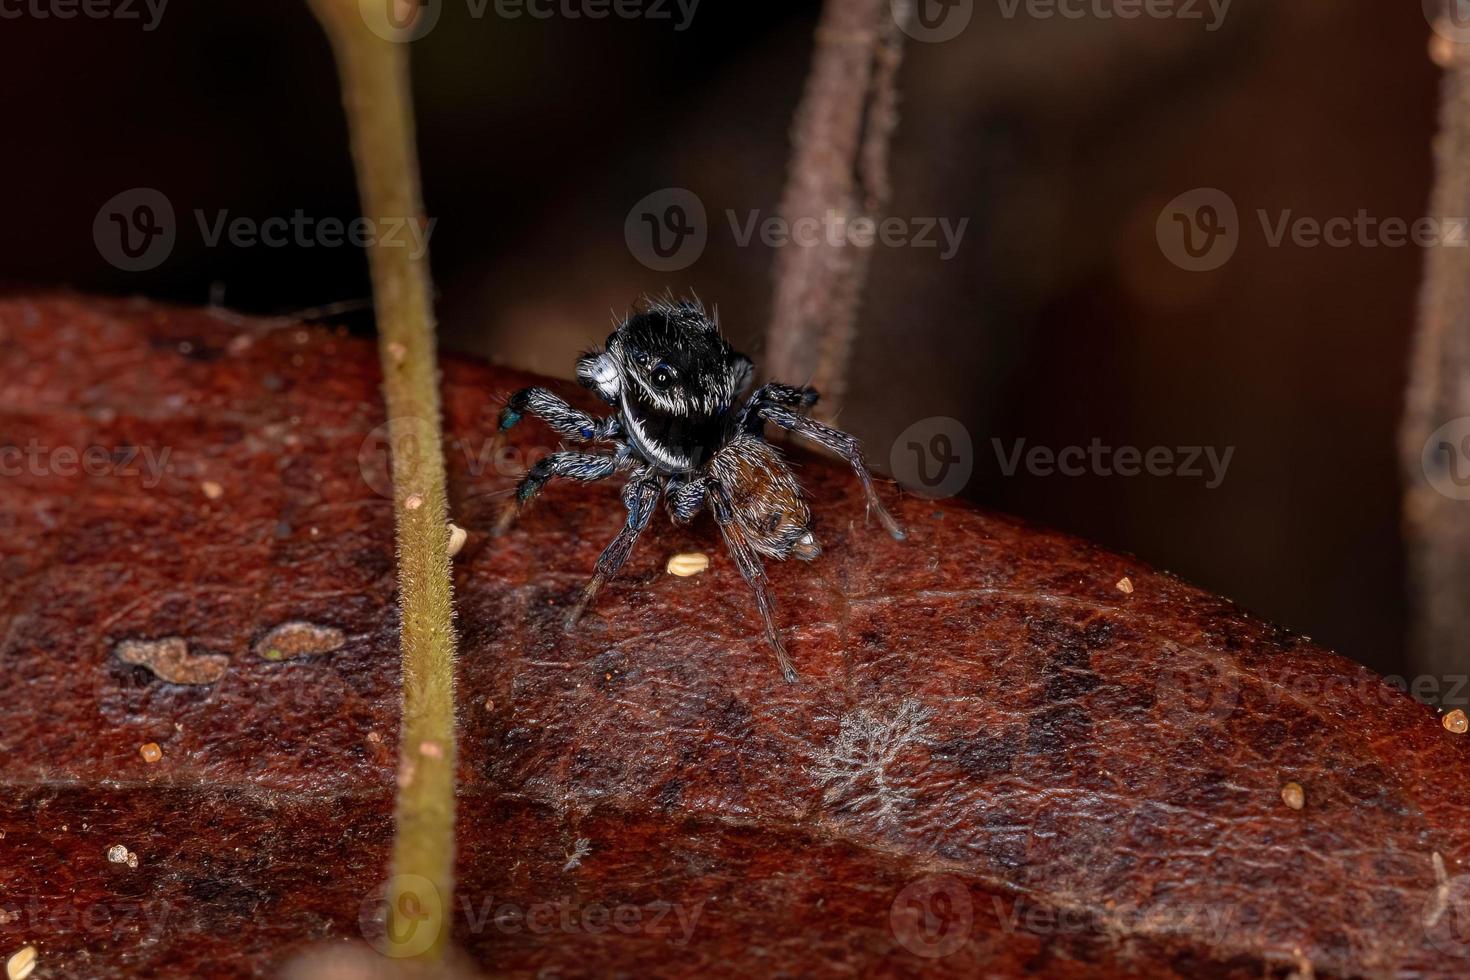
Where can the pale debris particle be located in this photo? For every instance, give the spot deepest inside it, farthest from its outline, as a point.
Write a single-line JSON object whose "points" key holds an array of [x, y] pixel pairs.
{"points": [[212, 490], [687, 564], [374, 737], [580, 849], [291, 640], [414, 502], [1293, 796], [1441, 902], [853, 767], [397, 352], [171, 661], [1125, 585], [150, 752], [21, 964], [457, 537], [7, 917], [117, 854], [431, 749], [132, 860], [1456, 722]]}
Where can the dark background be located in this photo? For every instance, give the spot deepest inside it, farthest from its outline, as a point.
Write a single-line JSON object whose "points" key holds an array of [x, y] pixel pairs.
{"points": [[1059, 320]]}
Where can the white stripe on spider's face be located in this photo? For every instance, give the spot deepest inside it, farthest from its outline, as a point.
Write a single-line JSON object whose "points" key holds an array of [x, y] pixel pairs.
{"points": [[601, 372]]}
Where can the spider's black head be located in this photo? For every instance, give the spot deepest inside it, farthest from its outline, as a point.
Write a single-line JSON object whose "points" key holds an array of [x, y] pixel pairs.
{"points": [[673, 377]]}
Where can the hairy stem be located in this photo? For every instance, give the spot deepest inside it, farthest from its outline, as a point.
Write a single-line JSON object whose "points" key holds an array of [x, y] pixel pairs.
{"points": [[375, 87]]}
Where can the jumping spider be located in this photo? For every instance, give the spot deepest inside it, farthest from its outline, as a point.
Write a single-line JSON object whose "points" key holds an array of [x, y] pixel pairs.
{"points": [[674, 382]]}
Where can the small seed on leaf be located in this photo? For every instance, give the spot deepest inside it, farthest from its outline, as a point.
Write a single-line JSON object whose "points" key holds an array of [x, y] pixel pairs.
{"points": [[117, 854], [1456, 722], [1125, 585], [150, 752], [21, 964], [688, 563], [457, 538], [1293, 796]]}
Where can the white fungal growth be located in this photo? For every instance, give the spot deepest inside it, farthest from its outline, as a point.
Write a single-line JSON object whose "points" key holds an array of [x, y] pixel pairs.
{"points": [[580, 849], [854, 767]]}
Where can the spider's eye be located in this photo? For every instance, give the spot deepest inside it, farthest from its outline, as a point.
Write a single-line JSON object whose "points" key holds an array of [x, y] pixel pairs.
{"points": [[663, 376]]}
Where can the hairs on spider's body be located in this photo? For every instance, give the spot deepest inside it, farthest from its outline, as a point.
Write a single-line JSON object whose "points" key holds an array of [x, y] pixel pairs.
{"points": [[673, 383]]}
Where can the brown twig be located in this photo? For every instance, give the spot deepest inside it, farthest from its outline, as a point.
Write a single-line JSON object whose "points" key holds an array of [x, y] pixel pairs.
{"points": [[1436, 526], [838, 173]]}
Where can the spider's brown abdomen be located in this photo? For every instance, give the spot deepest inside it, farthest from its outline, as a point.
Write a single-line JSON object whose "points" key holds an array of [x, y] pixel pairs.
{"points": [[765, 498]]}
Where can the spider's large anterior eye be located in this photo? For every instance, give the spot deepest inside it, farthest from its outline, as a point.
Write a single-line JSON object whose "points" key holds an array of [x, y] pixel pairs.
{"points": [[663, 376]]}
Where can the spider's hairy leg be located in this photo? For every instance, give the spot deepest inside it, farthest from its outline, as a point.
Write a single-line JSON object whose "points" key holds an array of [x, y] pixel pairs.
{"points": [[641, 497], [574, 466], [754, 574], [555, 412], [843, 445]]}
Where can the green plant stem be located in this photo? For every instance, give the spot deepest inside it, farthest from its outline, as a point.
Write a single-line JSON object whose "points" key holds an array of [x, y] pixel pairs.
{"points": [[375, 87]]}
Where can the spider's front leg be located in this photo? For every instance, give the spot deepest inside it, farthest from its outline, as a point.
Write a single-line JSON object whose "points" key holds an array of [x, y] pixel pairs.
{"points": [[641, 497], [836, 440], [554, 411], [574, 466], [753, 572]]}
